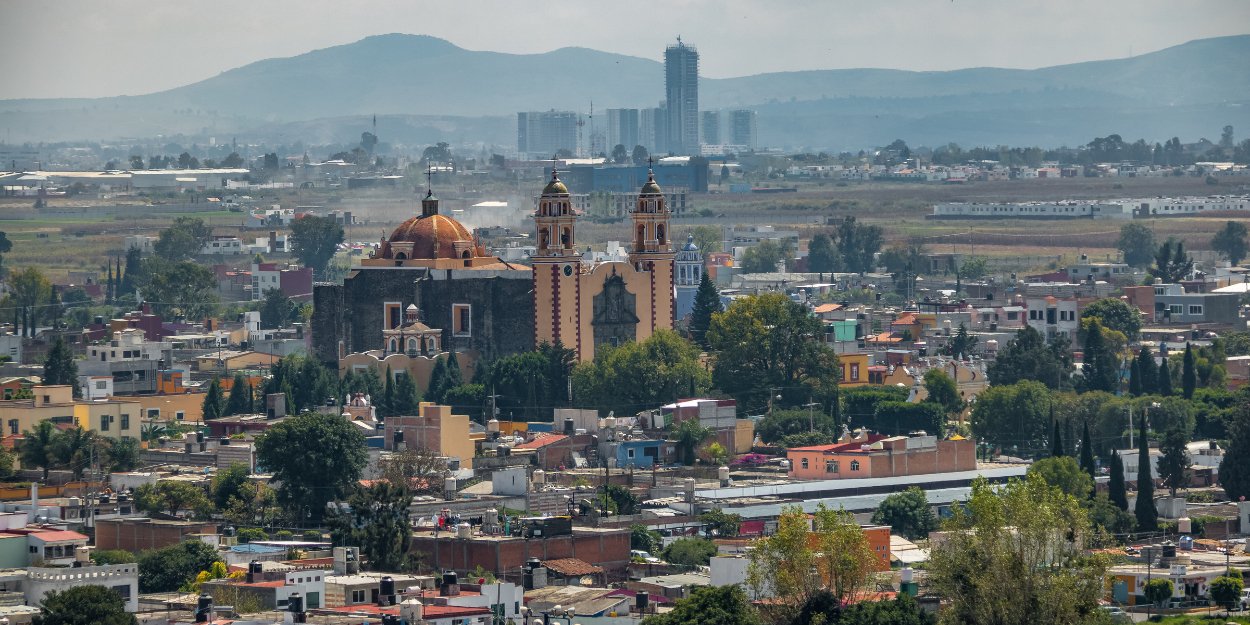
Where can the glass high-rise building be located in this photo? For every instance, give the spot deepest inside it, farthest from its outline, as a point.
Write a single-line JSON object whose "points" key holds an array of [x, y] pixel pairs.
{"points": [[681, 90]]}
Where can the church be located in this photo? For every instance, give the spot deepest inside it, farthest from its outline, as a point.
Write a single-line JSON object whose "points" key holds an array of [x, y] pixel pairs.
{"points": [[433, 273], [588, 306]]}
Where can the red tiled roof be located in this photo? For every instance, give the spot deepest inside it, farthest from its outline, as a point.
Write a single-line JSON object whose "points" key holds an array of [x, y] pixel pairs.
{"points": [[842, 448], [572, 567], [824, 308], [541, 441], [58, 536]]}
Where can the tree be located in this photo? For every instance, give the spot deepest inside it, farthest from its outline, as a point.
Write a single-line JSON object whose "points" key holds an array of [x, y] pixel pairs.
{"points": [[1172, 264], [858, 245], [1230, 241], [1056, 440], [764, 257], [1011, 557], [689, 435], [1149, 372], [779, 424], [536, 381], [707, 239], [962, 344], [1189, 377], [618, 499], [183, 240], [228, 484], [5, 247], [620, 154], [376, 519], [1029, 357], [123, 454], [232, 161], [1087, 453], [276, 309], [639, 155], [822, 255], [825, 609], [1115, 314], [39, 447], [173, 497], [795, 563], [112, 556], [720, 524], [907, 513], [707, 605], [83, 605], [1174, 461], [689, 552], [1158, 591], [1134, 378], [706, 303], [1137, 243], [72, 449], [134, 263], [314, 458], [643, 539], [60, 367], [765, 342], [177, 289], [240, 399], [315, 241], [30, 290], [634, 376], [1234, 472], [407, 398], [420, 469], [167, 569], [1116, 490], [899, 418], [1145, 511], [1164, 384], [1101, 367], [1225, 590], [1064, 473], [214, 405], [1013, 415]]}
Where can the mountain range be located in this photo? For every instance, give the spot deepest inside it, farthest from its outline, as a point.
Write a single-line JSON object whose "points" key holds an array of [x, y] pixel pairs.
{"points": [[427, 89]]}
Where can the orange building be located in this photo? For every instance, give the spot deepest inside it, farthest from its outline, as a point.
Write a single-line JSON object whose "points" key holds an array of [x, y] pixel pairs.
{"points": [[584, 306], [873, 455], [854, 369]]}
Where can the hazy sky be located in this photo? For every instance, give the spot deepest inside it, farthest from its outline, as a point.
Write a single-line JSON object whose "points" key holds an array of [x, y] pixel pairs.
{"points": [[88, 48]]}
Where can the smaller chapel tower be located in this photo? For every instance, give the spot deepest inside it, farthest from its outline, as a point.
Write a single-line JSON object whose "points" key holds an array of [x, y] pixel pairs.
{"points": [[557, 266]]}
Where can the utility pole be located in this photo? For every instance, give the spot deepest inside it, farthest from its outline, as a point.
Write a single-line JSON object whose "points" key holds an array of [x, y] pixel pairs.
{"points": [[811, 415]]}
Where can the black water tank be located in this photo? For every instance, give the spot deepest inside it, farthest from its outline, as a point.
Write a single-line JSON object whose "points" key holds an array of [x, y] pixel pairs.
{"points": [[642, 600], [203, 608], [387, 590], [295, 603], [253, 570], [568, 427], [449, 577]]}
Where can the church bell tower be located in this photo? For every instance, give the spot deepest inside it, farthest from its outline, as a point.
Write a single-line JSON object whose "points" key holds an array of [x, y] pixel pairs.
{"points": [[651, 250]]}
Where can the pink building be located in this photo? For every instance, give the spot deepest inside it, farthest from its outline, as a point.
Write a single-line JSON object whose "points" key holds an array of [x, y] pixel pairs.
{"points": [[873, 455]]}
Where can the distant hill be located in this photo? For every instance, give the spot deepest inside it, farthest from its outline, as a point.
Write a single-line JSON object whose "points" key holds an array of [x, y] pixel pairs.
{"points": [[1188, 90]]}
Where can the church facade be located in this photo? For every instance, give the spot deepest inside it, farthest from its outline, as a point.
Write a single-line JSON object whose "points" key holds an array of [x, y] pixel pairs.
{"points": [[588, 306]]}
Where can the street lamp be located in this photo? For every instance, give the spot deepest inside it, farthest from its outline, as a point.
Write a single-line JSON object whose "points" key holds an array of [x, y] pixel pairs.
{"points": [[811, 415], [557, 613]]}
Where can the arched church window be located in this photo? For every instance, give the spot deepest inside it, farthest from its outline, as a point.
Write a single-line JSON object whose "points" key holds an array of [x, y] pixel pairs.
{"points": [[642, 234], [565, 238], [464, 254], [412, 345], [401, 256], [659, 233], [430, 347], [393, 346], [543, 238]]}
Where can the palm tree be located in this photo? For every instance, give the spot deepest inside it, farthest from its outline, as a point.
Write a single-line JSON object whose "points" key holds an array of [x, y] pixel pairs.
{"points": [[689, 435], [73, 449], [37, 447]]}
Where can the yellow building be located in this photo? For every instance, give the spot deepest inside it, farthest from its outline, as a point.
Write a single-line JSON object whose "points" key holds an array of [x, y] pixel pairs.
{"points": [[854, 369], [435, 429], [584, 306], [111, 418]]}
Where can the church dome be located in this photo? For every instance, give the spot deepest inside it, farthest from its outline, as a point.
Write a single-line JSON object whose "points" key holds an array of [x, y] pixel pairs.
{"points": [[555, 186], [432, 237], [690, 246], [650, 187]]}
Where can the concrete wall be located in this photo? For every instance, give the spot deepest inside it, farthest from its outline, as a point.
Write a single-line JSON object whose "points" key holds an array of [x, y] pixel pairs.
{"points": [[41, 581]]}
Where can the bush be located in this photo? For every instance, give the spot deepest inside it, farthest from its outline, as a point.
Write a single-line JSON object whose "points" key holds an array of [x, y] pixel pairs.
{"points": [[312, 536], [690, 552], [284, 535], [249, 534], [112, 556]]}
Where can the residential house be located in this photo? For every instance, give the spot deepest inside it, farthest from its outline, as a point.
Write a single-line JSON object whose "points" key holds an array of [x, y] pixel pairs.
{"points": [[111, 418], [872, 455], [1174, 304], [130, 359], [1052, 317], [435, 429]]}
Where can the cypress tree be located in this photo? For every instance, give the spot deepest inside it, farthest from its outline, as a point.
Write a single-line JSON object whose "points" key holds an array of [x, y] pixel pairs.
{"points": [[1056, 449], [1189, 377], [1164, 386], [1145, 511], [407, 397], [108, 289], [438, 381], [455, 377], [60, 366], [1149, 373], [1134, 378], [1116, 490], [387, 406], [1087, 454], [238, 402], [706, 303], [1100, 367], [214, 403]]}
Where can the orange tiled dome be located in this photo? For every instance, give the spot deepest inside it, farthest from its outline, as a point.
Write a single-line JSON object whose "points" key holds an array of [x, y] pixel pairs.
{"points": [[432, 237]]}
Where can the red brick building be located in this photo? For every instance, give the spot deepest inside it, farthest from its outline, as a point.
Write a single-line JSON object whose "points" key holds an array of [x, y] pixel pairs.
{"points": [[139, 534], [607, 548]]}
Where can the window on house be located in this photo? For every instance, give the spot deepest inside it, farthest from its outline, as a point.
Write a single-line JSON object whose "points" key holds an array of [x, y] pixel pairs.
{"points": [[358, 596], [104, 422], [854, 372], [803, 463], [1175, 309], [154, 413], [101, 385], [831, 466], [854, 465], [1195, 309], [14, 427], [125, 422], [180, 415]]}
